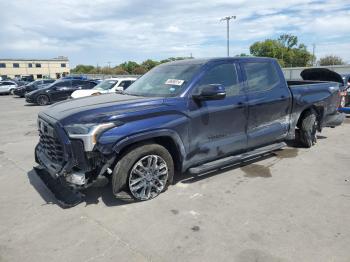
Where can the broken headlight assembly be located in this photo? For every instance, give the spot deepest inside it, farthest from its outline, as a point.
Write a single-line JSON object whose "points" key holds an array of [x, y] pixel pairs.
{"points": [[88, 133]]}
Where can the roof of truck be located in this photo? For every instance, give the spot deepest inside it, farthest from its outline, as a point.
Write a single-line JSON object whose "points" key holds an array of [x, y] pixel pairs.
{"points": [[202, 61]]}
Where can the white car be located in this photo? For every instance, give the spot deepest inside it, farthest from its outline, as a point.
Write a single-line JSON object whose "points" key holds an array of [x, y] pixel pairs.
{"points": [[7, 87], [110, 85]]}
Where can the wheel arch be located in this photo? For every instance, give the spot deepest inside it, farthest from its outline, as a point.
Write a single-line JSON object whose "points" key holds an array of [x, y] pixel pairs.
{"points": [[167, 138]]}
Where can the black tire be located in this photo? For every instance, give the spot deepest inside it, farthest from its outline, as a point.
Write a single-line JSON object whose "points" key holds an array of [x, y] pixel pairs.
{"points": [[123, 168], [12, 92], [308, 129], [42, 100]]}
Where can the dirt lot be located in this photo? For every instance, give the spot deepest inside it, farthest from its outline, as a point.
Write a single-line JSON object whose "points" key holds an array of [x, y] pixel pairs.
{"points": [[294, 206]]}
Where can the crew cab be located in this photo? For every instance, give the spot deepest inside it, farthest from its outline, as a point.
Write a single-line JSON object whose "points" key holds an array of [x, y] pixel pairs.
{"points": [[110, 85], [189, 116], [57, 91]]}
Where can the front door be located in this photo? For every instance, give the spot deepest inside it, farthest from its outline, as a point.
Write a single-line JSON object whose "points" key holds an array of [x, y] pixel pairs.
{"points": [[218, 127]]}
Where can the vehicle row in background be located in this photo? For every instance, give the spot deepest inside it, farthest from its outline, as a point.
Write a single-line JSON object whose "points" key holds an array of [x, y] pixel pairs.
{"points": [[110, 85], [37, 84], [58, 91]]}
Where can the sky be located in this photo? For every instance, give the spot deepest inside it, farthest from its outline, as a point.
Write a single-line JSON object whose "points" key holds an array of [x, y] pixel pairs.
{"points": [[101, 31]]}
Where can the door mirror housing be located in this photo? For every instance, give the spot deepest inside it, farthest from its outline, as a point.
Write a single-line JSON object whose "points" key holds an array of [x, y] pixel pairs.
{"points": [[210, 92]]}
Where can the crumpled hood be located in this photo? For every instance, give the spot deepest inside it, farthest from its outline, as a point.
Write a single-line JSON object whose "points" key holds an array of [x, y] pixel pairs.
{"points": [[99, 109], [321, 74], [86, 92]]}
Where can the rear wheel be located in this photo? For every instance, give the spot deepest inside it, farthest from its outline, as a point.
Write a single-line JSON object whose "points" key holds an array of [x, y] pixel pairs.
{"points": [[145, 171], [308, 129], [43, 100]]}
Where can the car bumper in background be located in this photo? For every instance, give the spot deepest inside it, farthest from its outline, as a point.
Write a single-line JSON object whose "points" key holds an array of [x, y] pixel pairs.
{"points": [[345, 110]]}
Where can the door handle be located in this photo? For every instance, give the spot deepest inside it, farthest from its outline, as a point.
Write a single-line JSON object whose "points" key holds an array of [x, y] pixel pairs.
{"points": [[240, 104]]}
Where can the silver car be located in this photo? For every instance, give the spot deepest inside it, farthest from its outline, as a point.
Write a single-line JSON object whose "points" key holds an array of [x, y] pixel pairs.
{"points": [[7, 87]]}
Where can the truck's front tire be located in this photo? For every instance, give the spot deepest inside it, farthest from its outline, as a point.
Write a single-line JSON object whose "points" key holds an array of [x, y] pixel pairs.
{"points": [[143, 170], [308, 129]]}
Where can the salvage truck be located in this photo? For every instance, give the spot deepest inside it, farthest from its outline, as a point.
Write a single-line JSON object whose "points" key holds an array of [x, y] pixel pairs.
{"points": [[191, 116]]}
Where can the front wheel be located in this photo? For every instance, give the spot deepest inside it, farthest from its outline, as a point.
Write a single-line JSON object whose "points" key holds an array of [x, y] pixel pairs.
{"points": [[12, 92], [43, 100], [145, 171], [308, 129]]}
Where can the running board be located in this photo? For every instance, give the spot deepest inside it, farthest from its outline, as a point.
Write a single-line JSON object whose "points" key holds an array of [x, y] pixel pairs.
{"points": [[220, 163]]}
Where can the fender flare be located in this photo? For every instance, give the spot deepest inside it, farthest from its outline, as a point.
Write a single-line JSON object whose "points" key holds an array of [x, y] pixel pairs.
{"points": [[139, 137]]}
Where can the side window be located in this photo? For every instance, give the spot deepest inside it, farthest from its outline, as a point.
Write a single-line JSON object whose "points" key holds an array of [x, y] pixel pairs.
{"points": [[63, 84], [77, 83], [125, 84], [261, 76], [225, 75]]}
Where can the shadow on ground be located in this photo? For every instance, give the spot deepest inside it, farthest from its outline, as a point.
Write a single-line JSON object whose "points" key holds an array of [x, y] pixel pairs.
{"points": [[95, 195]]}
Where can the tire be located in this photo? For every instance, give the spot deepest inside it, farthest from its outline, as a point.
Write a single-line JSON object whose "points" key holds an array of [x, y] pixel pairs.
{"points": [[42, 100], [308, 129], [131, 173], [12, 92]]}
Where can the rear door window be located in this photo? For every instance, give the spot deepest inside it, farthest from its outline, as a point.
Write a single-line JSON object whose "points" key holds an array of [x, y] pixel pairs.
{"points": [[261, 76]]}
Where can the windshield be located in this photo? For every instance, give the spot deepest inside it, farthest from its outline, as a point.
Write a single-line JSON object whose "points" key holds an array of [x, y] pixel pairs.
{"points": [[164, 80], [106, 84]]}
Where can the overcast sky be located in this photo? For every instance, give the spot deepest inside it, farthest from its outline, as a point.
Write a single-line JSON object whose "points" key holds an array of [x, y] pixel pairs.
{"points": [[95, 32]]}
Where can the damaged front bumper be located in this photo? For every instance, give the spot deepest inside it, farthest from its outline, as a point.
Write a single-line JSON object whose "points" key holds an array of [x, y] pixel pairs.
{"points": [[65, 167]]}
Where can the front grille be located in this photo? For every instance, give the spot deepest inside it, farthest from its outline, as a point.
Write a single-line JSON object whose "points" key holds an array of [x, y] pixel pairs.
{"points": [[50, 143]]}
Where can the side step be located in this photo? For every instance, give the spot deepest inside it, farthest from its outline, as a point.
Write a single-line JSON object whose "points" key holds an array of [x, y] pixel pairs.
{"points": [[220, 163], [66, 197]]}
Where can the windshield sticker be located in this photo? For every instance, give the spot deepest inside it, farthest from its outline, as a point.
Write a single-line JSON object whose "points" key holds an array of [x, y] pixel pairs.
{"points": [[174, 82]]}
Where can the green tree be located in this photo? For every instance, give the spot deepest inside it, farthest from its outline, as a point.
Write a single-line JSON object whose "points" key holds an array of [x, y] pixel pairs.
{"points": [[139, 70], [129, 66], [149, 64], [82, 69], [331, 60], [285, 49]]}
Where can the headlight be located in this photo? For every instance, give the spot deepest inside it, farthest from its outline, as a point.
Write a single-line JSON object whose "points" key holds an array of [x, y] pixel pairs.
{"points": [[88, 133]]}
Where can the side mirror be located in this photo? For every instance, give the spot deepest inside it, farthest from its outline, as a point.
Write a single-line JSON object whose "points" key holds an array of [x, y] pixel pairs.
{"points": [[210, 92]]}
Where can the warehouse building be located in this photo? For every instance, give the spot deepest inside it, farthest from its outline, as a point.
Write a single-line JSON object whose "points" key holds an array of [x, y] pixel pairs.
{"points": [[37, 68]]}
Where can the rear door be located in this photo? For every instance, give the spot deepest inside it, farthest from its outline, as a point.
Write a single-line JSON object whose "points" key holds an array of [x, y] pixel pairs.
{"points": [[61, 90], [269, 102]]}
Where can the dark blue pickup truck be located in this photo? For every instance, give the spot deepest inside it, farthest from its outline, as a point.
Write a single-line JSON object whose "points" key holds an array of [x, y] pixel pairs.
{"points": [[190, 116]]}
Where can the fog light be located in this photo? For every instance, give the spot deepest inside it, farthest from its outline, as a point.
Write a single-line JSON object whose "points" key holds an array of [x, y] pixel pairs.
{"points": [[77, 178]]}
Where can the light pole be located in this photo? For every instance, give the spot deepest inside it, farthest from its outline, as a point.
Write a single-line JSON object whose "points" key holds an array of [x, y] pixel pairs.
{"points": [[228, 18]]}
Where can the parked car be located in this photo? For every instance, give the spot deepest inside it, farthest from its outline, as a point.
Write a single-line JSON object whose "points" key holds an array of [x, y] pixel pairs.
{"points": [[57, 91], [110, 85], [7, 87], [37, 84], [194, 115], [346, 80]]}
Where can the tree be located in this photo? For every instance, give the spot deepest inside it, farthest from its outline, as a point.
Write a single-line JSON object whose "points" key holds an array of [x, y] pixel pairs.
{"points": [[331, 60], [139, 70], [285, 49], [129, 66], [149, 64], [82, 69]]}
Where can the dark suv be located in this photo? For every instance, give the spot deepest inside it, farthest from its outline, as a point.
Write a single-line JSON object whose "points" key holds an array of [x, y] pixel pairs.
{"points": [[37, 84], [59, 90]]}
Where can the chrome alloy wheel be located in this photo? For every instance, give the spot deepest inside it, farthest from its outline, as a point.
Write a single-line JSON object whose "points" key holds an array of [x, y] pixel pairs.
{"points": [[148, 177]]}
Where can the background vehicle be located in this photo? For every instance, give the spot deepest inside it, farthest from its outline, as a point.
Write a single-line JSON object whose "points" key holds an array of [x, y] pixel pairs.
{"points": [[193, 115], [346, 80], [110, 85], [7, 87], [37, 84], [57, 91]]}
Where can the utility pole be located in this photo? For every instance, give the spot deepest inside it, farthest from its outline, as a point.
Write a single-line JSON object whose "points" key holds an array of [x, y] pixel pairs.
{"points": [[227, 19], [313, 54]]}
